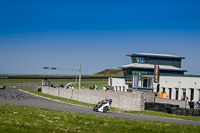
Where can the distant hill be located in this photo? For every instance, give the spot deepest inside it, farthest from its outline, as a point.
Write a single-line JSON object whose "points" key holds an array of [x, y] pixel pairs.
{"points": [[108, 72]]}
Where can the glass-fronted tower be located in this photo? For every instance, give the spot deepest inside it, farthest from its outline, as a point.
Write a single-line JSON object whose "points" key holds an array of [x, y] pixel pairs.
{"points": [[140, 72]]}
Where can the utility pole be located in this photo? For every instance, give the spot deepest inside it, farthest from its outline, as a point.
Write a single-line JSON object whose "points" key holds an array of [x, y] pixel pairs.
{"points": [[111, 88], [79, 77]]}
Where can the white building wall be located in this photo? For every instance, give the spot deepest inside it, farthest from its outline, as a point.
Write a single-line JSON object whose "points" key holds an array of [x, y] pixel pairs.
{"points": [[118, 84], [167, 82], [180, 83]]}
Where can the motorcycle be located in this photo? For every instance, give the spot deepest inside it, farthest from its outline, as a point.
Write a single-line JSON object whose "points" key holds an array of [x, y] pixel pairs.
{"points": [[103, 106]]}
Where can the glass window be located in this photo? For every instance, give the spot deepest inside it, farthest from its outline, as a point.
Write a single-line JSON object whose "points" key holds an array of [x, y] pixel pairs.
{"points": [[170, 93], [199, 95], [123, 88], [184, 94], [140, 59], [177, 91]]}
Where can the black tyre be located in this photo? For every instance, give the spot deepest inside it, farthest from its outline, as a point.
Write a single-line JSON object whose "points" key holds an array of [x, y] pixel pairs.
{"points": [[156, 108], [152, 105], [95, 108], [150, 108], [195, 112], [175, 106], [183, 113], [188, 112], [105, 109], [178, 112], [173, 110]]}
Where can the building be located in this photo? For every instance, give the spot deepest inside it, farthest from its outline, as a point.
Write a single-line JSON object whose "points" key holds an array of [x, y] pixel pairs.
{"points": [[139, 76]]}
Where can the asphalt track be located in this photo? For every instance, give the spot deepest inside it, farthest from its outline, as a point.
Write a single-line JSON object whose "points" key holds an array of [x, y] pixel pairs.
{"points": [[17, 97]]}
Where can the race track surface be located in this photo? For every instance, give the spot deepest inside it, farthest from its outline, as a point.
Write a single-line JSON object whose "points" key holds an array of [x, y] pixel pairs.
{"points": [[17, 97]]}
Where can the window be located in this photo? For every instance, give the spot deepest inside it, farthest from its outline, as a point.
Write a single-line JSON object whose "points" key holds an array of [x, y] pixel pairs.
{"points": [[140, 60], [199, 95], [163, 90], [177, 90], [170, 93], [123, 88], [184, 93], [192, 94]]}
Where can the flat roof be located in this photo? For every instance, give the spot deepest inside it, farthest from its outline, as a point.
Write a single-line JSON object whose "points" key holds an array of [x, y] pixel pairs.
{"points": [[151, 66], [156, 55]]}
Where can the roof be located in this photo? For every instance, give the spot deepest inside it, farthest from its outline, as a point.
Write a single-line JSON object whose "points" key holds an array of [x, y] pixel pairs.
{"points": [[156, 55], [151, 66]]}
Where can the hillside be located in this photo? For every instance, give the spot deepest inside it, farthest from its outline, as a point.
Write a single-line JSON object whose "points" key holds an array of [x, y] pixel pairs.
{"points": [[108, 72]]}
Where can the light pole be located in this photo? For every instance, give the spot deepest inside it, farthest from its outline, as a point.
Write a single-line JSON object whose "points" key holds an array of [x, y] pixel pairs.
{"points": [[72, 69], [79, 86]]}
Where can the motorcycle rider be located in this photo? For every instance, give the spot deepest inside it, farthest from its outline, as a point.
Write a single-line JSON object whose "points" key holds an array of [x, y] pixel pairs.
{"points": [[102, 101]]}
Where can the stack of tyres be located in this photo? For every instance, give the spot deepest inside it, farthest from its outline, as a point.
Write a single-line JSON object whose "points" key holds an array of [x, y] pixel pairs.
{"points": [[156, 108], [178, 111], [175, 106], [188, 112], [151, 106], [173, 110], [183, 111], [161, 107], [195, 112], [146, 105], [166, 108]]}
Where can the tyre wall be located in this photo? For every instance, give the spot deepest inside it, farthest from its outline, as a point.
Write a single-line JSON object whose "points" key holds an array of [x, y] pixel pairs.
{"points": [[171, 109]]}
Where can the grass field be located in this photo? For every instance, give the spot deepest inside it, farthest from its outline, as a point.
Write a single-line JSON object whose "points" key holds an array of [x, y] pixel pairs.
{"points": [[7, 81], [146, 112], [20, 119], [85, 85]]}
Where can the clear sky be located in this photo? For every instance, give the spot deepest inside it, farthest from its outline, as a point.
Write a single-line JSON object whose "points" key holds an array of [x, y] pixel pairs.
{"points": [[97, 33]]}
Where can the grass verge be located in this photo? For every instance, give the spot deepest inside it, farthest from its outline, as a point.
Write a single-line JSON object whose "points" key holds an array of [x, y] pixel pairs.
{"points": [[146, 112], [21, 119]]}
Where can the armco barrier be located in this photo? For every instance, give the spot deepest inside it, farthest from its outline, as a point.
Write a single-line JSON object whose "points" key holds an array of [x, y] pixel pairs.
{"points": [[122, 100]]}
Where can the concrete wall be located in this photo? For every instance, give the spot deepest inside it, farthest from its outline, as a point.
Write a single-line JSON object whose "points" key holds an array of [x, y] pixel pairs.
{"points": [[182, 104], [121, 100]]}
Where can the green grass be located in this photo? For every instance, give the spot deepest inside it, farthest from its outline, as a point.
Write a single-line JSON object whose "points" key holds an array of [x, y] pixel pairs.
{"points": [[7, 81], [146, 112], [165, 115], [20, 119]]}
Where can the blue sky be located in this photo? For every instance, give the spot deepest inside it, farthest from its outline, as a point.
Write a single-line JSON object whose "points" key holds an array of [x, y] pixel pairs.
{"points": [[97, 33]]}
